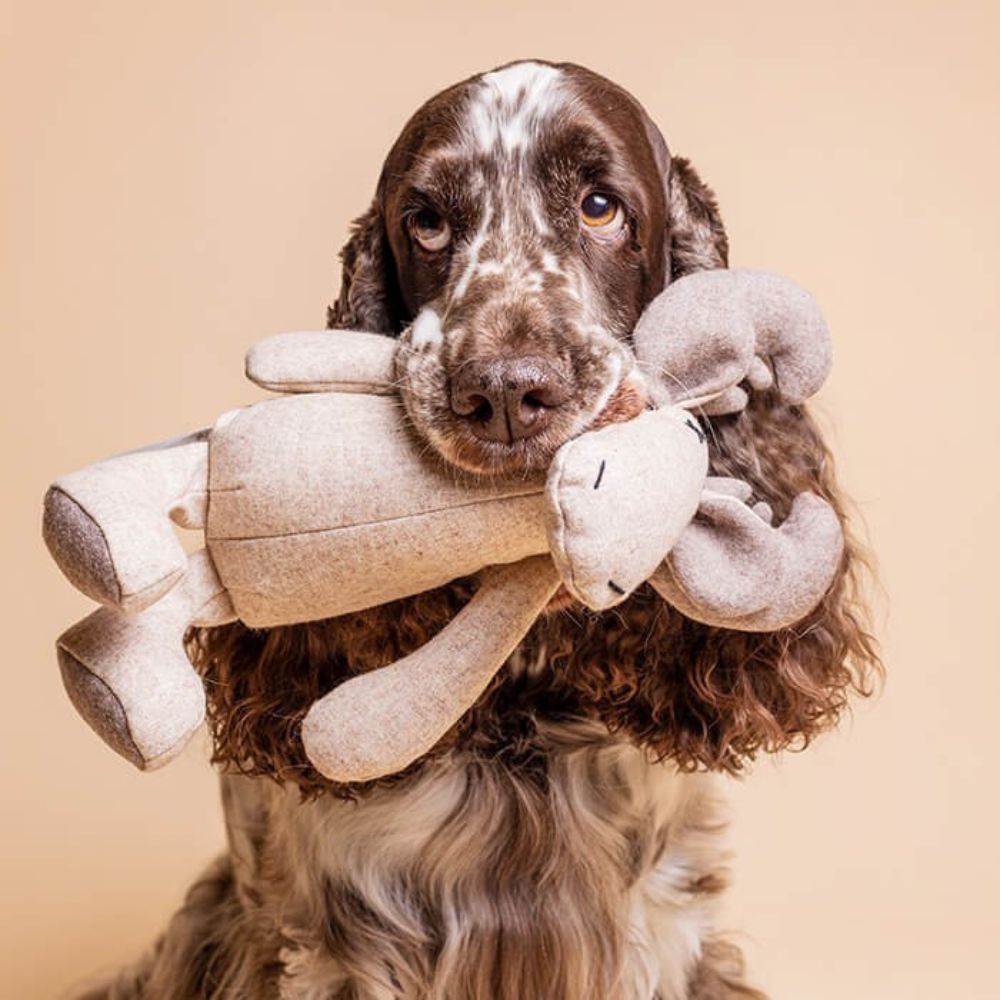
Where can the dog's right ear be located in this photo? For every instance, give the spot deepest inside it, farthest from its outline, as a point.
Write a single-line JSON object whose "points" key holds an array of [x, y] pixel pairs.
{"points": [[369, 292]]}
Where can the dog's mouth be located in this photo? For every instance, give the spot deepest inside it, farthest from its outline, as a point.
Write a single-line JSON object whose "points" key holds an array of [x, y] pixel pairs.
{"points": [[459, 444], [507, 414], [460, 447]]}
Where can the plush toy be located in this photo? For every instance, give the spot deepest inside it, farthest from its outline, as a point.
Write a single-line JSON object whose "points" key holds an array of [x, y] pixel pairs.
{"points": [[321, 502]]}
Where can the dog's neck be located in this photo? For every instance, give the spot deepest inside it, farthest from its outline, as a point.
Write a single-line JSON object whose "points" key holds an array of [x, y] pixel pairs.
{"points": [[589, 869]]}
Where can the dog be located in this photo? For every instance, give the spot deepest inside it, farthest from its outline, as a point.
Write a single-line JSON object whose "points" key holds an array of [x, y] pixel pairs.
{"points": [[564, 840]]}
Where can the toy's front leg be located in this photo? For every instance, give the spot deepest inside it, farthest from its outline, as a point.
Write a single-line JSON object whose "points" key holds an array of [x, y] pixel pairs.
{"points": [[382, 721], [129, 676], [109, 527]]}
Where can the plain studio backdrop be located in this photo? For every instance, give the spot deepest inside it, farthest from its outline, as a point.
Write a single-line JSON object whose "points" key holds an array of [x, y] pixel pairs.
{"points": [[177, 180]]}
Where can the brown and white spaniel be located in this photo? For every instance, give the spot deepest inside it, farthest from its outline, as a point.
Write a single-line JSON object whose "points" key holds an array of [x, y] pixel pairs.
{"points": [[563, 841]]}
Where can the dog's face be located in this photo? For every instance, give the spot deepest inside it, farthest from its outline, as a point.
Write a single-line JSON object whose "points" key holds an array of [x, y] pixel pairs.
{"points": [[524, 224]]}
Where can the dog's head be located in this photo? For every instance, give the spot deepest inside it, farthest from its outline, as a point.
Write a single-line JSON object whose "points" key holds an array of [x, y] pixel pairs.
{"points": [[522, 221]]}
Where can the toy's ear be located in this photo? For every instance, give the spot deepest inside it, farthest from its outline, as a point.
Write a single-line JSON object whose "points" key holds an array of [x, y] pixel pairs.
{"points": [[369, 296], [697, 237]]}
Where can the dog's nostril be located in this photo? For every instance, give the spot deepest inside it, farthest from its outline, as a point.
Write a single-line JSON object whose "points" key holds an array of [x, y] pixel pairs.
{"points": [[482, 408], [507, 400], [547, 394]]}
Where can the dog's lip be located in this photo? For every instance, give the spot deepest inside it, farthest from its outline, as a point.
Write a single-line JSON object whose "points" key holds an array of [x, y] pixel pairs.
{"points": [[473, 455]]}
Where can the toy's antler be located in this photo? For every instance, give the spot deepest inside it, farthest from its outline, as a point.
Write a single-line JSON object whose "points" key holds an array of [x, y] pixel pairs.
{"points": [[698, 343], [731, 568], [710, 331]]}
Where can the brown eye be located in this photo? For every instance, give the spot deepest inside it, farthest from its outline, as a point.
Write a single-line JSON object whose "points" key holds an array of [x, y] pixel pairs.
{"points": [[602, 213], [430, 229]]}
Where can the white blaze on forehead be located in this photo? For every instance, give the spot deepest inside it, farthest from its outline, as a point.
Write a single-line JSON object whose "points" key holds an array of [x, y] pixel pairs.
{"points": [[537, 211], [473, 251], [510, 103], [550, 263]]}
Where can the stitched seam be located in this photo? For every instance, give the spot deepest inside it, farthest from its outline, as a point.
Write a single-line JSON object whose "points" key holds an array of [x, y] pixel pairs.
{"points": [[298, 386], [561, 528], [175, 575], [367, 524], [107, 687]]}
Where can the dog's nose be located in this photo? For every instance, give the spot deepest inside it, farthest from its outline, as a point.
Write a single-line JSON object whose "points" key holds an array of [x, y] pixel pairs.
{"points": [[508, 399]]}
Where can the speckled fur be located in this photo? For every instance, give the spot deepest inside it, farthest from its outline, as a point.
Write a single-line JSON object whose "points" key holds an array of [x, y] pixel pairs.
{"points": [[563, 841]]}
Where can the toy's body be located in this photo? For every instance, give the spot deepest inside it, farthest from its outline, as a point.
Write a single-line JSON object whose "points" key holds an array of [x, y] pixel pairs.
{"points": [[323, 503]]}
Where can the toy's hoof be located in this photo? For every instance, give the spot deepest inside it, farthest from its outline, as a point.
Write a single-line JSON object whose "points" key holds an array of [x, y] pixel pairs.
{"points": [[80, 548], [97, 703], [154, 737]]}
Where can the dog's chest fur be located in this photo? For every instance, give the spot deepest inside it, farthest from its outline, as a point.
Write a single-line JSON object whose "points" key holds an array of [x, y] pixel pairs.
{"points": [[590, 875]]}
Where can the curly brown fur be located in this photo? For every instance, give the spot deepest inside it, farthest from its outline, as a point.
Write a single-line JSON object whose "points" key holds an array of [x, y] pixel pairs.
{"points": [[702, 696], [719, 975], [538, 850]]}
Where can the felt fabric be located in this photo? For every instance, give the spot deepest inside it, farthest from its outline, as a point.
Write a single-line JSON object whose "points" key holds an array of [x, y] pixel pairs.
{"points": [[109, 528], [732, 569], [325, 504], [323, 361], [708, 332], [129, 676], [618, 500], [383, 720]]}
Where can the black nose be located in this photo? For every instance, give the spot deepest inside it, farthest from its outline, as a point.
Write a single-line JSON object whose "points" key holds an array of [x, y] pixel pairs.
{"points": [[508, 400]]}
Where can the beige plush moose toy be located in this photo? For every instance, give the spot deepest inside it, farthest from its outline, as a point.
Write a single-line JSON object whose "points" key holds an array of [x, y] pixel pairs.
{"points": [[321, 502]]}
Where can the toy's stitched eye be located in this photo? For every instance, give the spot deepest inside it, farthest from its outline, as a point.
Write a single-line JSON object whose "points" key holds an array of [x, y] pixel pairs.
{"points": [[430, 229], [602, 213]]}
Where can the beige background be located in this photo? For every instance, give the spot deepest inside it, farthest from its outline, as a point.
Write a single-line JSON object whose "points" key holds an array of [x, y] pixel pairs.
{"points": [[176, 180]]}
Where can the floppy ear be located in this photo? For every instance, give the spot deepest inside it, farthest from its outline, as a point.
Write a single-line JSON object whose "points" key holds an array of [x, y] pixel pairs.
{"points": [[369, 292], [733, 693], [697, 237]]}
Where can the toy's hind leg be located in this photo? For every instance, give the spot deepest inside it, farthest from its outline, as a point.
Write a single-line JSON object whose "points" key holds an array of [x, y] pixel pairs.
{"points": [[109, 527], [129, 676]]}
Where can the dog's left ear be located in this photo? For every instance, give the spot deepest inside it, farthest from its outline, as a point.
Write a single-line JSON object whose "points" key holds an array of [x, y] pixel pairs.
{"points": [[719, 696], [369, 291], [696, 236]]}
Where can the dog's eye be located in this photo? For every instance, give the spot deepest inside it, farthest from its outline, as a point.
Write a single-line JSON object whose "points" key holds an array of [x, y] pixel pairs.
{"points": [[602, 213], [430, 229]]}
